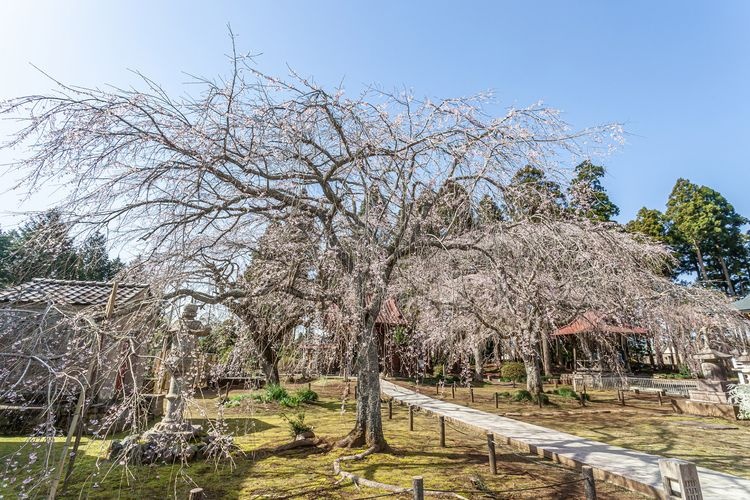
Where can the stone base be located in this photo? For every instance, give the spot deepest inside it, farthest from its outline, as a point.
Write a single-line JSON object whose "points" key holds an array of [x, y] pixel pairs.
{"points": [[169, 443], [711, 391], [705, 409]]}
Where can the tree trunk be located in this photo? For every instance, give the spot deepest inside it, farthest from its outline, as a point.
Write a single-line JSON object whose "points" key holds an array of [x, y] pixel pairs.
{"points": [[701, 265], [546, 356], [533, 375], [368, 429], [478, 362], [270, 366], [727, 278]]}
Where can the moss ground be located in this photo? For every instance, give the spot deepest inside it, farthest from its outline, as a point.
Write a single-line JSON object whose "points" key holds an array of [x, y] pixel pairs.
{"points": [[642, 424], [307, 473]]}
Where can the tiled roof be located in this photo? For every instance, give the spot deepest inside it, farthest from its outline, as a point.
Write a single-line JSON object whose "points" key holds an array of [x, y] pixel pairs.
{"points": [[591, 322], [65, 292], [390, 314]]}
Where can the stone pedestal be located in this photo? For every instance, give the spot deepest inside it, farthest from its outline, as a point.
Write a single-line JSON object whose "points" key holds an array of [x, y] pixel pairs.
{"points": [[713, 389]]}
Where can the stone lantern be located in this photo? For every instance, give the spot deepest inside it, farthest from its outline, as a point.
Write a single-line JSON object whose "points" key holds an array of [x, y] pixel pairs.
{"points": [[713, 387], [185, 332]]}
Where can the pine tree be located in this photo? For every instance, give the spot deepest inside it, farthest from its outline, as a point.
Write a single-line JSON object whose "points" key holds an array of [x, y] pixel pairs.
{"points": [[94, 263]]}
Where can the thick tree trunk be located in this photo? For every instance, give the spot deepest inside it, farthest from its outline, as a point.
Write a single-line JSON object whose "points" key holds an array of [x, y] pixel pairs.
{"points": [[533, 375], [270, 365], [478, 362], [368, 429]]}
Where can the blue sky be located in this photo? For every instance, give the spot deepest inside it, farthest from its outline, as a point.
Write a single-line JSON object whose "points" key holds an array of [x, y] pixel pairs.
{"points": [[676, 73]]}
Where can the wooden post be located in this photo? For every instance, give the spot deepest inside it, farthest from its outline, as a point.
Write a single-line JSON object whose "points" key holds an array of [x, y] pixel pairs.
{"points": [[197, 494], [589, 486], [539, 396], [491, 453], [497, 400], [437, 388], [355, 391], [514, 383], [441, 420], [680, 479], [309, 386], [660, 401], [390, 409], [417, 486], [471, 393], [453, 390], [411, 418], [580, 397]]}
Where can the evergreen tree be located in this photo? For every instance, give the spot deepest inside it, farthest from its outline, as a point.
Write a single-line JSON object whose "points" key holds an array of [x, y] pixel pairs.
{"points": [[6, 246], [44, 248], [94, 263], [488, 211], [531, 194], [650, 222], [706, 228], [587, 195]]}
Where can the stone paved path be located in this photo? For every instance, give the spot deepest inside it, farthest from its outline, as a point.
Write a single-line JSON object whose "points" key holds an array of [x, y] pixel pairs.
{"points": [[631, 469]]}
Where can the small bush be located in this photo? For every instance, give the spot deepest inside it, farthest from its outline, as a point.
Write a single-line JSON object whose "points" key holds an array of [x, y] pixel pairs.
{"points": [[297, 424], [513, 371], [505, 394], [274, 392], [289, 401], [567, 392], [522, 395], [306, 396]]}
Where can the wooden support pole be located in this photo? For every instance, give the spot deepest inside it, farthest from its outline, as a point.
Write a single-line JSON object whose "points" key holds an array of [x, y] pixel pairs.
{"points": [[589, 486], [437, 388], [453, 390], [390, 409], [497, 400], [309, 386], [491, 453], [355, 391], [441, 420], [417, 486], [580, 397], [411, 418], [660, 401], [471, 393], [197, 494]]}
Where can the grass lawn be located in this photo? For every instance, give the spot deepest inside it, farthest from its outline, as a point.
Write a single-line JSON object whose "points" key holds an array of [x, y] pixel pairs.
{"points": [[640, 425], [307, 473]]}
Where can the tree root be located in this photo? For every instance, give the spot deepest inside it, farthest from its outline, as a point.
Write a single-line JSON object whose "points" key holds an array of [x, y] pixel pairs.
{"points": [[361, 481]]}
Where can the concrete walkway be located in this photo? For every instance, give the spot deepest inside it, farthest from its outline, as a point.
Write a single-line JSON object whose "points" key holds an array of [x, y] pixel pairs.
{"points": [[630, 469]]}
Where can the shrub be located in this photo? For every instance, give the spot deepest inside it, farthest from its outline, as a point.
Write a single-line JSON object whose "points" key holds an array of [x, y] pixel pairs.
{"points": [[306, 396], [289, 401], [297, 424], [567, 392], [513, 371], [522, 395], [274, 392], [505, 394]]}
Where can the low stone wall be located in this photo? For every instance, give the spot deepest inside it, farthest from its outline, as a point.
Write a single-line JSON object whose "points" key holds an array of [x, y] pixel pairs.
{"points": [[705, 409]]}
